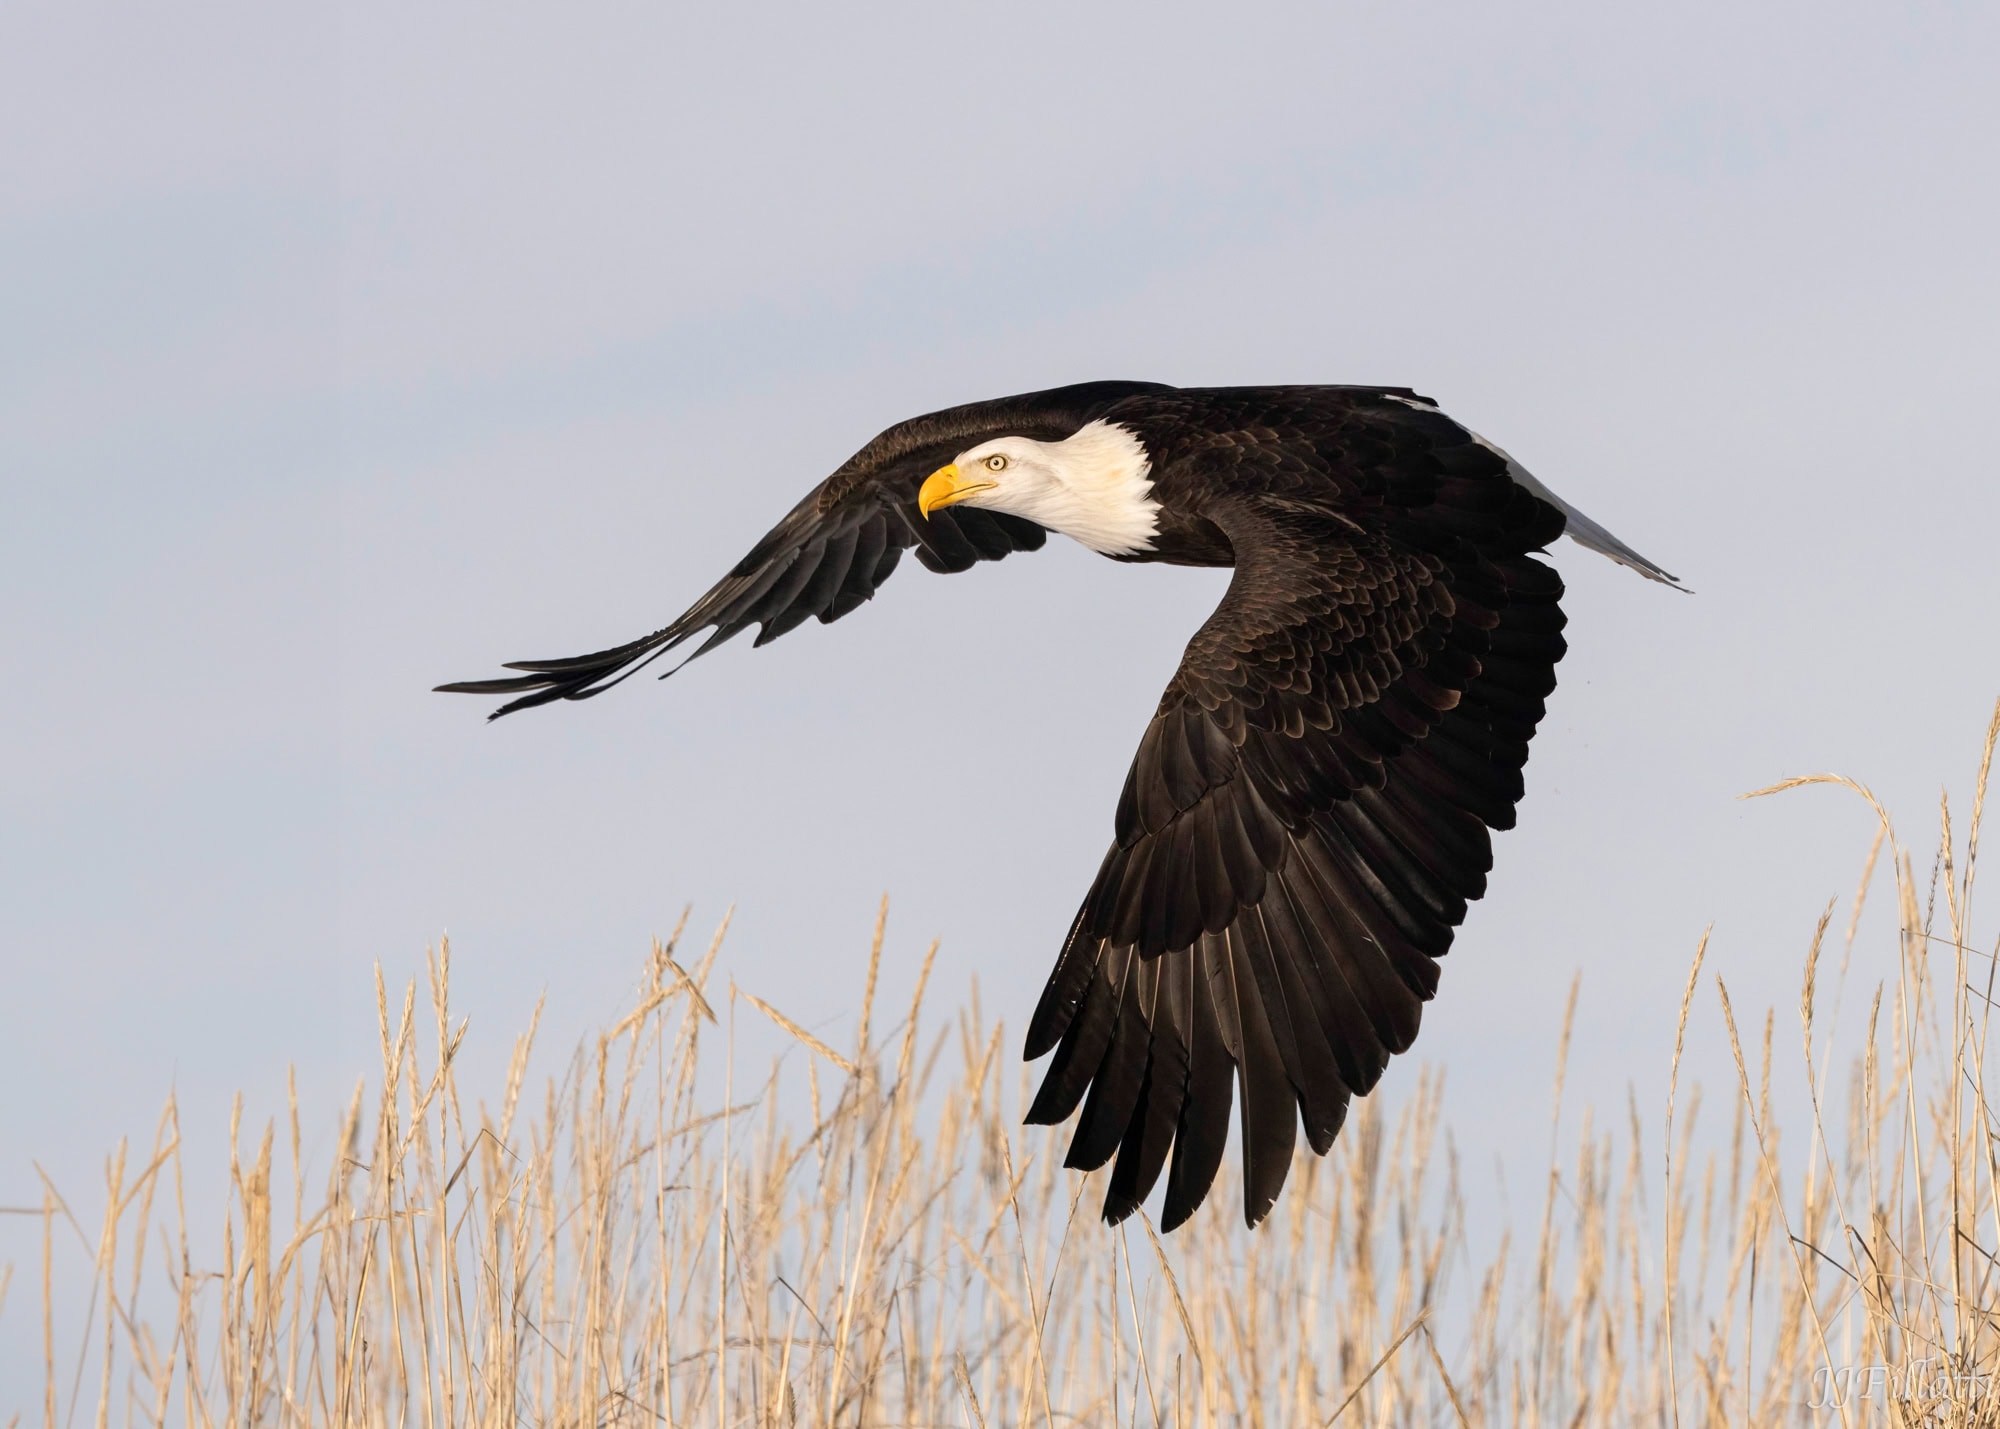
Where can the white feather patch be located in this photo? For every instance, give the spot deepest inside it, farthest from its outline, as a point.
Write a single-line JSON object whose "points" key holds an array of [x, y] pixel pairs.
{"points": [[1093, 487]]}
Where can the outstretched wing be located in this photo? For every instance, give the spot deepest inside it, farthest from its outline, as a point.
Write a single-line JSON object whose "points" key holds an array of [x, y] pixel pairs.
{"points": [[1307, 816], [831, 551], [815, 564]]}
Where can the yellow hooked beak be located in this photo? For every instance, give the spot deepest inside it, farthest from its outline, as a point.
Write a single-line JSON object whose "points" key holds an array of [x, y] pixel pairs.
{"points": [[947, 486]]}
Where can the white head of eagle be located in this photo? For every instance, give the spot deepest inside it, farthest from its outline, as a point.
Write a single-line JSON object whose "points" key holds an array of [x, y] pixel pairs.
{"points": [[1093, 486]]}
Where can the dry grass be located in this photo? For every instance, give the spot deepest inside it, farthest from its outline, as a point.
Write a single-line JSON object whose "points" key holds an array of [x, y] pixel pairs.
{"points": [[617, 1247]]}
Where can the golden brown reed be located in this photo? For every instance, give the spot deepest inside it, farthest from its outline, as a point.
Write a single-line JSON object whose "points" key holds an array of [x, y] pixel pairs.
{"points": [[616, 1248]]}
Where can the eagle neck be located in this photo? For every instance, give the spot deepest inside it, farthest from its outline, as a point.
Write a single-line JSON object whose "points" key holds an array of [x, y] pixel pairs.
{"points": [[1106, 500]]}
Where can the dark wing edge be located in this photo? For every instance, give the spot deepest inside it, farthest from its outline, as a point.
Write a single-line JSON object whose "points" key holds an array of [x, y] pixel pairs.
{"points": [[835, 548], [811, 565], [1302, 828]]}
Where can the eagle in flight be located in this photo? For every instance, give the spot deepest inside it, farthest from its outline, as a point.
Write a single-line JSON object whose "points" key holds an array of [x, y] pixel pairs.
{"points": [[1308, 813]]}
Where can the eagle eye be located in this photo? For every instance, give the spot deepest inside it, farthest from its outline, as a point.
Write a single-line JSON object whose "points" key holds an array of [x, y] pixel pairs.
{"points": [[996, 462]]}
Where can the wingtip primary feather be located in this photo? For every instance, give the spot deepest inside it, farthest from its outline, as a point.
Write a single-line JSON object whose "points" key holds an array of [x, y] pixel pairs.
{"points": [[486, 687]]}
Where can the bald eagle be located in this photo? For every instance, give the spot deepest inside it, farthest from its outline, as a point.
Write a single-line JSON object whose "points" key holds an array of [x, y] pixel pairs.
{"points": [[1309, 810]]}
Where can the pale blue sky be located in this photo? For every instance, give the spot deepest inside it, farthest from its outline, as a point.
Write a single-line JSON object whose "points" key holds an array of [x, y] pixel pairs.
{"points": [[348, 353]]}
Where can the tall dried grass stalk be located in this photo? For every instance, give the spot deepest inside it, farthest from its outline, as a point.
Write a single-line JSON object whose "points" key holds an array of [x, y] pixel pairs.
{"points": [[613, 1248]]}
